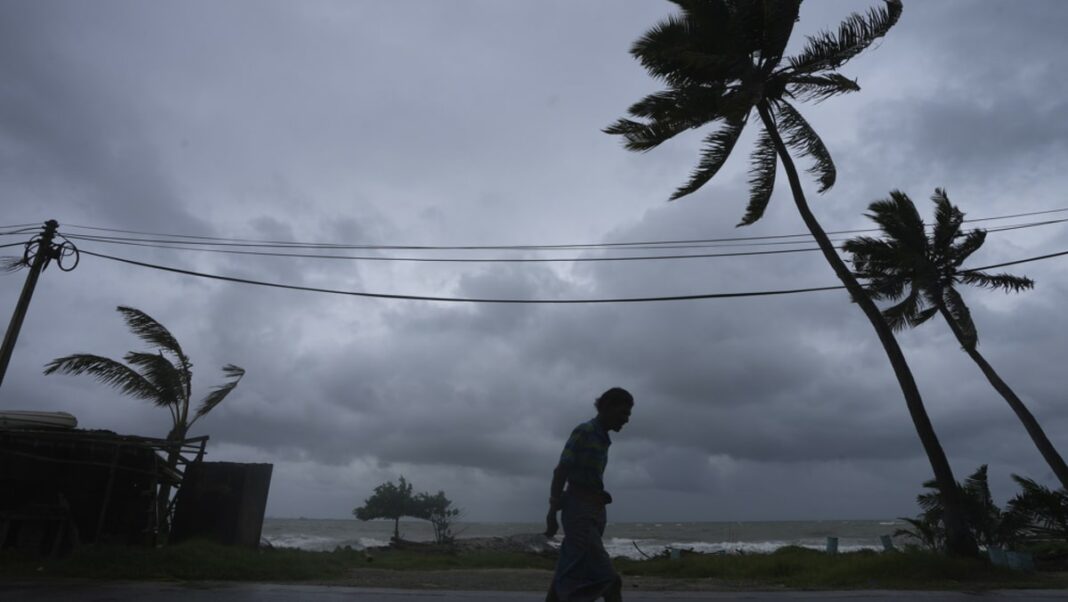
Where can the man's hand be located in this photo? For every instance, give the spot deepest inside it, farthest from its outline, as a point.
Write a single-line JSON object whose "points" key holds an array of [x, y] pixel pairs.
{"points": [[607, 497], [551, 526]]}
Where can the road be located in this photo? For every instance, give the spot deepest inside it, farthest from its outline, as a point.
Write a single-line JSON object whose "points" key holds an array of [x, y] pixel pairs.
{"points": [[165, 592]]}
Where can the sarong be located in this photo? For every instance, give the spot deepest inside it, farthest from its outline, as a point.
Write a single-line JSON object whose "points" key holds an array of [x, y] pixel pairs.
{"points": [[584, 571]]}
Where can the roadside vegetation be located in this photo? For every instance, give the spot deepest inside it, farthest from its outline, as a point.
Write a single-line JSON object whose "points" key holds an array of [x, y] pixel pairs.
{"points": [[790, 567]]}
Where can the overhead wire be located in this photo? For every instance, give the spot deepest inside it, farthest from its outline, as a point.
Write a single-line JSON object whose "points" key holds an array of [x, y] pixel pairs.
{"points": [[515, 301], [151, 243], [466, 259], [458, 299], [224, 241]]}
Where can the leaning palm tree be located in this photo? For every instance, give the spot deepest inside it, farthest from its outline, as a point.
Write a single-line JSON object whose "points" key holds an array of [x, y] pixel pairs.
{"points": [[921, 272], [163, 377], [722, 61]]}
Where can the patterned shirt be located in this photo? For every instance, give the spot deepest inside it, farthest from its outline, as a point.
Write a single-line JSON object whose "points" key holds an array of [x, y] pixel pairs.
{"points": [[585, 455]]}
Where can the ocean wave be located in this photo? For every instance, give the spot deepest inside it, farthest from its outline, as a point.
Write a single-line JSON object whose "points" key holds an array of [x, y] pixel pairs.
{"points": [[617, 547], [320, 543]]}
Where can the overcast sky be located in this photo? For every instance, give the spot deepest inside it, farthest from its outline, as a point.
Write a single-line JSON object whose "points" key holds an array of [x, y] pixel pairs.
{"points": [[478, 123]]}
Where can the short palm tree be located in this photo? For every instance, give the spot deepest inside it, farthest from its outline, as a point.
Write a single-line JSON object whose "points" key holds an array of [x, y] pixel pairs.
{"points": [[722, 61], [990, 525], [921, 271], [163, 377]]}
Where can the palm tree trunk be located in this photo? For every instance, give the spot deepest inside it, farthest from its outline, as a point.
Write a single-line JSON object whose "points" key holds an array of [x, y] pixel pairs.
{"points": [[959, 540], [1042, 442], [163, 500]]}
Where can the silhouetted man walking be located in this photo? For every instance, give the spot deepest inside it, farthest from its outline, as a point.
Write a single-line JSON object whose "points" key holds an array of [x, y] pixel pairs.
{"points": [[584, 571]]}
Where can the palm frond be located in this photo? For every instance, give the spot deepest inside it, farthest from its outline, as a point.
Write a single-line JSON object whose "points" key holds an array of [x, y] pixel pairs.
{"points": [[763, 163], [220, 392], [779, 17], [977, 487], [828, 50], [818, 88], [692, 47], [107, 371], [717, 147], [948, 220], [901, 315], [961, 316], [165, 377], [1005, 282], [900, 222], [800, 136], [642, 137], [695, 105], [154, 333], [958, 253], [871, 257], [1044, 511], [670, 112]]}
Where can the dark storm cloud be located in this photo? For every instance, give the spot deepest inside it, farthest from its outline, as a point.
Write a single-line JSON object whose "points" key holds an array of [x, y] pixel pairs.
{"points": [[59, 127], [479, 123]]}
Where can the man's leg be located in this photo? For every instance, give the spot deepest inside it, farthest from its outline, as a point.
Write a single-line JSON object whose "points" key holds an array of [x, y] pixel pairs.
{"points": [[551, 596], [615, 591]]}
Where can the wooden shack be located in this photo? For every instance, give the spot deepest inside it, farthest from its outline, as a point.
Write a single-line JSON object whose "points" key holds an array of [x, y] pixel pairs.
{"points": [[63, 487]]}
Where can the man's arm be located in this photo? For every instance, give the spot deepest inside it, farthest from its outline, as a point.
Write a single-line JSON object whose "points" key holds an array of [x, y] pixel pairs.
{"points": [[556, 491]]}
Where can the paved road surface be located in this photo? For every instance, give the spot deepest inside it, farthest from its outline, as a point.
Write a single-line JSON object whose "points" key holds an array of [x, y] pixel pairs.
{"points": [[163, 592]]}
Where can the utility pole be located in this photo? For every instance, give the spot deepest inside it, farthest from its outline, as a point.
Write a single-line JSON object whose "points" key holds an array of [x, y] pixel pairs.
{"points": [[41, 256]]}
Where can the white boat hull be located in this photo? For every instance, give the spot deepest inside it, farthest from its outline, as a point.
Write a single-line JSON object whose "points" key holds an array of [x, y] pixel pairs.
{"points": [[24, 419]]}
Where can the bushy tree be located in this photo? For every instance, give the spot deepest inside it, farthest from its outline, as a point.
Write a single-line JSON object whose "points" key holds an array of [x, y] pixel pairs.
{"points": [[439, 511], [395, 501], [390, 501]]}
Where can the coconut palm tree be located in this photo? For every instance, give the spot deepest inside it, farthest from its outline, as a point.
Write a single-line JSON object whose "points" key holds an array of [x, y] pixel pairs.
{"points": [[163, 377], [921, 271], [722, 62]]}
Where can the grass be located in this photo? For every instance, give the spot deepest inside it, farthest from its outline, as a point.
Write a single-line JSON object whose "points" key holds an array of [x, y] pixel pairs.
{"points": [[801, 568], [786, 568]]}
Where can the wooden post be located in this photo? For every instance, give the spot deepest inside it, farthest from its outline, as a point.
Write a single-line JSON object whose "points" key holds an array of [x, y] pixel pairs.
{"points": [[107, 495], [40, 259]]}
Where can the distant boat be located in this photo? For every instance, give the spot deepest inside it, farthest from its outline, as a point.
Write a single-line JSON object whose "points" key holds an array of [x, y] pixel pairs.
{"points": [[25, 419]]}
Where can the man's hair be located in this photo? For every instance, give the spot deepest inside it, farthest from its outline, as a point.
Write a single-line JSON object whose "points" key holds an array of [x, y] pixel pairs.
{"points": [[616, 396]]}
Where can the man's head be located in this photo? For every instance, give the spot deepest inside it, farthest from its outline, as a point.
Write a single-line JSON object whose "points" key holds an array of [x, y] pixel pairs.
{"points": [[613, 408]]}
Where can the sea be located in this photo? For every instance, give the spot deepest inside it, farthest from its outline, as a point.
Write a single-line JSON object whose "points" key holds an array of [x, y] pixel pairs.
{"points": [[633, 540]]}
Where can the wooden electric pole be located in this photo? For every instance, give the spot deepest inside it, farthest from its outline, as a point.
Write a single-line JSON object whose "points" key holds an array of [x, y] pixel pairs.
{"points": [[41, 256]]}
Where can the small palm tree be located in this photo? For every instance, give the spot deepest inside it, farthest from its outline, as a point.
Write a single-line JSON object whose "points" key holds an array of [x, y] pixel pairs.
{"points": [[921, 271], [1042, 511], [989, 525], [163, 377], [722, 61]]}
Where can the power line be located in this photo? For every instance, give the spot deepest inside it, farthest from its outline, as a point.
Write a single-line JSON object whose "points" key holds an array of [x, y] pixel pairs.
{"points": [[19, 231], [1018, 262], [515, 301], [172, 246], [309, 246], [459, 299], [222, 241], [454, 259]]}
